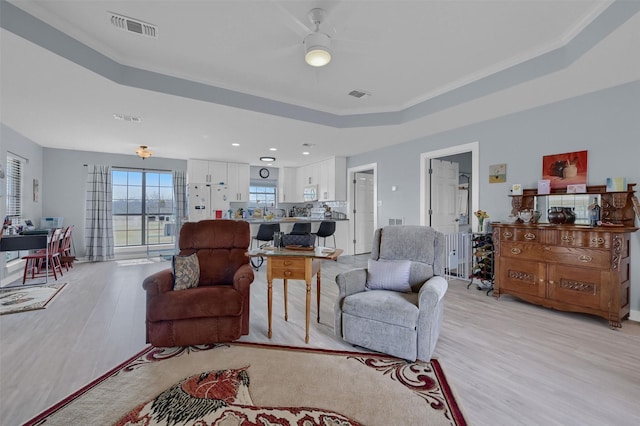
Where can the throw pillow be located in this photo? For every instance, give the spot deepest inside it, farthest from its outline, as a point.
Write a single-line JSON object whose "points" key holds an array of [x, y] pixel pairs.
{"points": [[389, 275], [186, 272]]}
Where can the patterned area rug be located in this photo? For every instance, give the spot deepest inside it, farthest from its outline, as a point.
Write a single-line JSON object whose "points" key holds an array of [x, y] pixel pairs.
{"points": [[27, 298], [252, 384]]}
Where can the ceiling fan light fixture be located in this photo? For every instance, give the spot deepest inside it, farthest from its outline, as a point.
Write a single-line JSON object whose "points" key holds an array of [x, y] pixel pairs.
{"points": [[143, 152], [317, 47]]}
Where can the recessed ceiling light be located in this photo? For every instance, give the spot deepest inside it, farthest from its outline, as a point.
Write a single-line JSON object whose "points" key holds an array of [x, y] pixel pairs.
{"points": [[273, 149], [267, 159], [235, 144], [305, 153]]}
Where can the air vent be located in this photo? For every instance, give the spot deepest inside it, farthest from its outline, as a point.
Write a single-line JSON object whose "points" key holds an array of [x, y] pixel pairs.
{"points": [[359, 93], [127, 117], [133, 25]]}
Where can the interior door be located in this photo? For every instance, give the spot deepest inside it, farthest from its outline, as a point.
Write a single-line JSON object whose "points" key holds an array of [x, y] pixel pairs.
{"points": [[363, 212], [442, 199]]}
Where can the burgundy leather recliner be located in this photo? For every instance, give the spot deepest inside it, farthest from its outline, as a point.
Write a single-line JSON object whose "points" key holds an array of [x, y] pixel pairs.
{"points": [[218, 309]]}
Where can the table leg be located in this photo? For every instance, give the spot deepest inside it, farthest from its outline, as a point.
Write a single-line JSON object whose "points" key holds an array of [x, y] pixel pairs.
{"points": [[308, 310], [318, 292], [269, 304], [286, 303]]}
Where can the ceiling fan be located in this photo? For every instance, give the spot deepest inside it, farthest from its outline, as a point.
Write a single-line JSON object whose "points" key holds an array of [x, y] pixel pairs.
{"points": [[317, 44]]}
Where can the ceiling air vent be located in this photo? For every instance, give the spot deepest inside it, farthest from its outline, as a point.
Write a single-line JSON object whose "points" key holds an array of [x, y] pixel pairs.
{"points": [[127, 117], [133, 25], [359, 93]]}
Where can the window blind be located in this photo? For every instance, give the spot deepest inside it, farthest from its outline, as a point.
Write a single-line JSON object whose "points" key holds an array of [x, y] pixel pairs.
{"points": [[15, 166]]}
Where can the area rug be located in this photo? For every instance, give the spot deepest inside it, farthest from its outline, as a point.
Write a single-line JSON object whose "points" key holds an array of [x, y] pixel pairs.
{"points": [[255, 384], [27, 298]]}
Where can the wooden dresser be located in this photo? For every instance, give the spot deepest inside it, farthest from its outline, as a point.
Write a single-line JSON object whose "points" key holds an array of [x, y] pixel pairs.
{"points": [[566, 267], [569, 267]]}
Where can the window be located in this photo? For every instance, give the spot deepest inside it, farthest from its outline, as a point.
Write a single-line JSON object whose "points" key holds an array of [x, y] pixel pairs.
{"points": [[15, 166], [262, 196], [142, 207]]}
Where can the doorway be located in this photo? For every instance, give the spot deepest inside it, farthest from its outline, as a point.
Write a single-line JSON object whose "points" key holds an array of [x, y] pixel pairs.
{"points": [[432, 198], [362, 196]]}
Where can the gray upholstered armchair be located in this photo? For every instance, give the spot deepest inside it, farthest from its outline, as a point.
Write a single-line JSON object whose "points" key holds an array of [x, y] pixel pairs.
{"points": [[403, 322]]}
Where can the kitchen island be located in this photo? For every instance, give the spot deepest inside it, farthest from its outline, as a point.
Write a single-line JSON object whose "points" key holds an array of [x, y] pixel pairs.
{"points": [[286, 225]]}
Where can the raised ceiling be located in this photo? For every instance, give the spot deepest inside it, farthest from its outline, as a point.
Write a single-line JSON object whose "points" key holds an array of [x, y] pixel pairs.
{"points": [[221, 72]]}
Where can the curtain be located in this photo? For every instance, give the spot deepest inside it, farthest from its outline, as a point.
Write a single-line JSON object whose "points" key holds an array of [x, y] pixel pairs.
{"points": [[179, 202], [98, 226]]}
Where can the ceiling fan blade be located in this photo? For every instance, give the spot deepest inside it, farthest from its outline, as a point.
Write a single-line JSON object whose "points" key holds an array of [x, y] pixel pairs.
{"points": [[292, 22]]}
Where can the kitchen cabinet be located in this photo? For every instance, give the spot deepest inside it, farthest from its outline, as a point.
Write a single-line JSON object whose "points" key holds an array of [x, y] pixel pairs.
{"points": [[288, 191], [238, 181], [566, 267], [332, 181], [206, 171]]}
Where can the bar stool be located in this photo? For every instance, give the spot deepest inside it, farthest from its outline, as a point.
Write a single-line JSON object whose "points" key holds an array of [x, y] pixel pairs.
{"points": [[265, 234], [301, 228], [327, 229]]}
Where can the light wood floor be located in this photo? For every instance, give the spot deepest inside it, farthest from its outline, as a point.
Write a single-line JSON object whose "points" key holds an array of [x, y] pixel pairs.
{"points": [[510, 363]]}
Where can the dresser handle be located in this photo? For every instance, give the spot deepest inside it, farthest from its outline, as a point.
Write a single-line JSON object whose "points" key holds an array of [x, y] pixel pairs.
{"points": [[516, 250], [287, 273], [507, 234], [584, 258], [597, 241], [287, 262], [529, 236], [567, 238]]}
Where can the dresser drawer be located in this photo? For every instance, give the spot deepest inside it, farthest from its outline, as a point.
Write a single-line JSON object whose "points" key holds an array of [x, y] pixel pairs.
{"points": [[574, 238], [585, 257], [290, 268], [576, 256]]}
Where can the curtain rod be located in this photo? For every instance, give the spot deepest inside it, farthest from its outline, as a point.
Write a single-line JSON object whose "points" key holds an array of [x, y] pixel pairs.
{"points": [[136, 168]]}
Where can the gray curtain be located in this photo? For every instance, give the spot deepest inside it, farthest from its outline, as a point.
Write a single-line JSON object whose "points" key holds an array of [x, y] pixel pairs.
{"points": [[179, 202], [98, 225]]}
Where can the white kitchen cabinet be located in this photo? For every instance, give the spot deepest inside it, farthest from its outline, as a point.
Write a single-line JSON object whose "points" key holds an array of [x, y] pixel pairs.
{"points": [[309, 174], [238, 181], [206, 171], [332, 182], [288, 191]]}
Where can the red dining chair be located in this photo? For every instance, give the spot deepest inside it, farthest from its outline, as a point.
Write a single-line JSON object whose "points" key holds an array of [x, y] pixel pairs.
{"points": [[49, 258], [65, 248]]}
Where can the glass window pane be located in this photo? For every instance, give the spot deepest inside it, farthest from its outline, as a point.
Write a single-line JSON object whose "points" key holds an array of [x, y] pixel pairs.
{"points": [[119, 177], [166, 179], [153, 179], [135, 178], [131, 200]]}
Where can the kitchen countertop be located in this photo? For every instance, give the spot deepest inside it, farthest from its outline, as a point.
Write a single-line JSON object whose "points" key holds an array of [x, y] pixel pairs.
{"points": [[289, 220]]}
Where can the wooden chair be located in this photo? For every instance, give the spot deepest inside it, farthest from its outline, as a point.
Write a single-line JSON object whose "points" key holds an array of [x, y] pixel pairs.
{"points": [[65, 249], [48, 259]]}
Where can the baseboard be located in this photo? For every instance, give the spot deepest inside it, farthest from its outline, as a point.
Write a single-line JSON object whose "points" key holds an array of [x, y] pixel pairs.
{"points": [[634, 315]]}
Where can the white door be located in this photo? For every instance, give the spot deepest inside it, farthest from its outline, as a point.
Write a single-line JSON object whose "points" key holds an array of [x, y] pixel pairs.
{"points": [[442, 196], [363, 214]]}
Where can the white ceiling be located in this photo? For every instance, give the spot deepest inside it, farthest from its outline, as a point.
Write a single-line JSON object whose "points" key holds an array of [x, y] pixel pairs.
{"points": [[410, 55]]}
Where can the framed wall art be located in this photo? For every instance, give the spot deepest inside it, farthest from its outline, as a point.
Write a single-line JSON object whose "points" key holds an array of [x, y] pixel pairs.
{"points": [[498, 173], [565, 169]]}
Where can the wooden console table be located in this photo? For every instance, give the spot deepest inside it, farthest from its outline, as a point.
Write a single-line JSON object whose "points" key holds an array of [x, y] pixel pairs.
{"points": [[295, 265]]}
